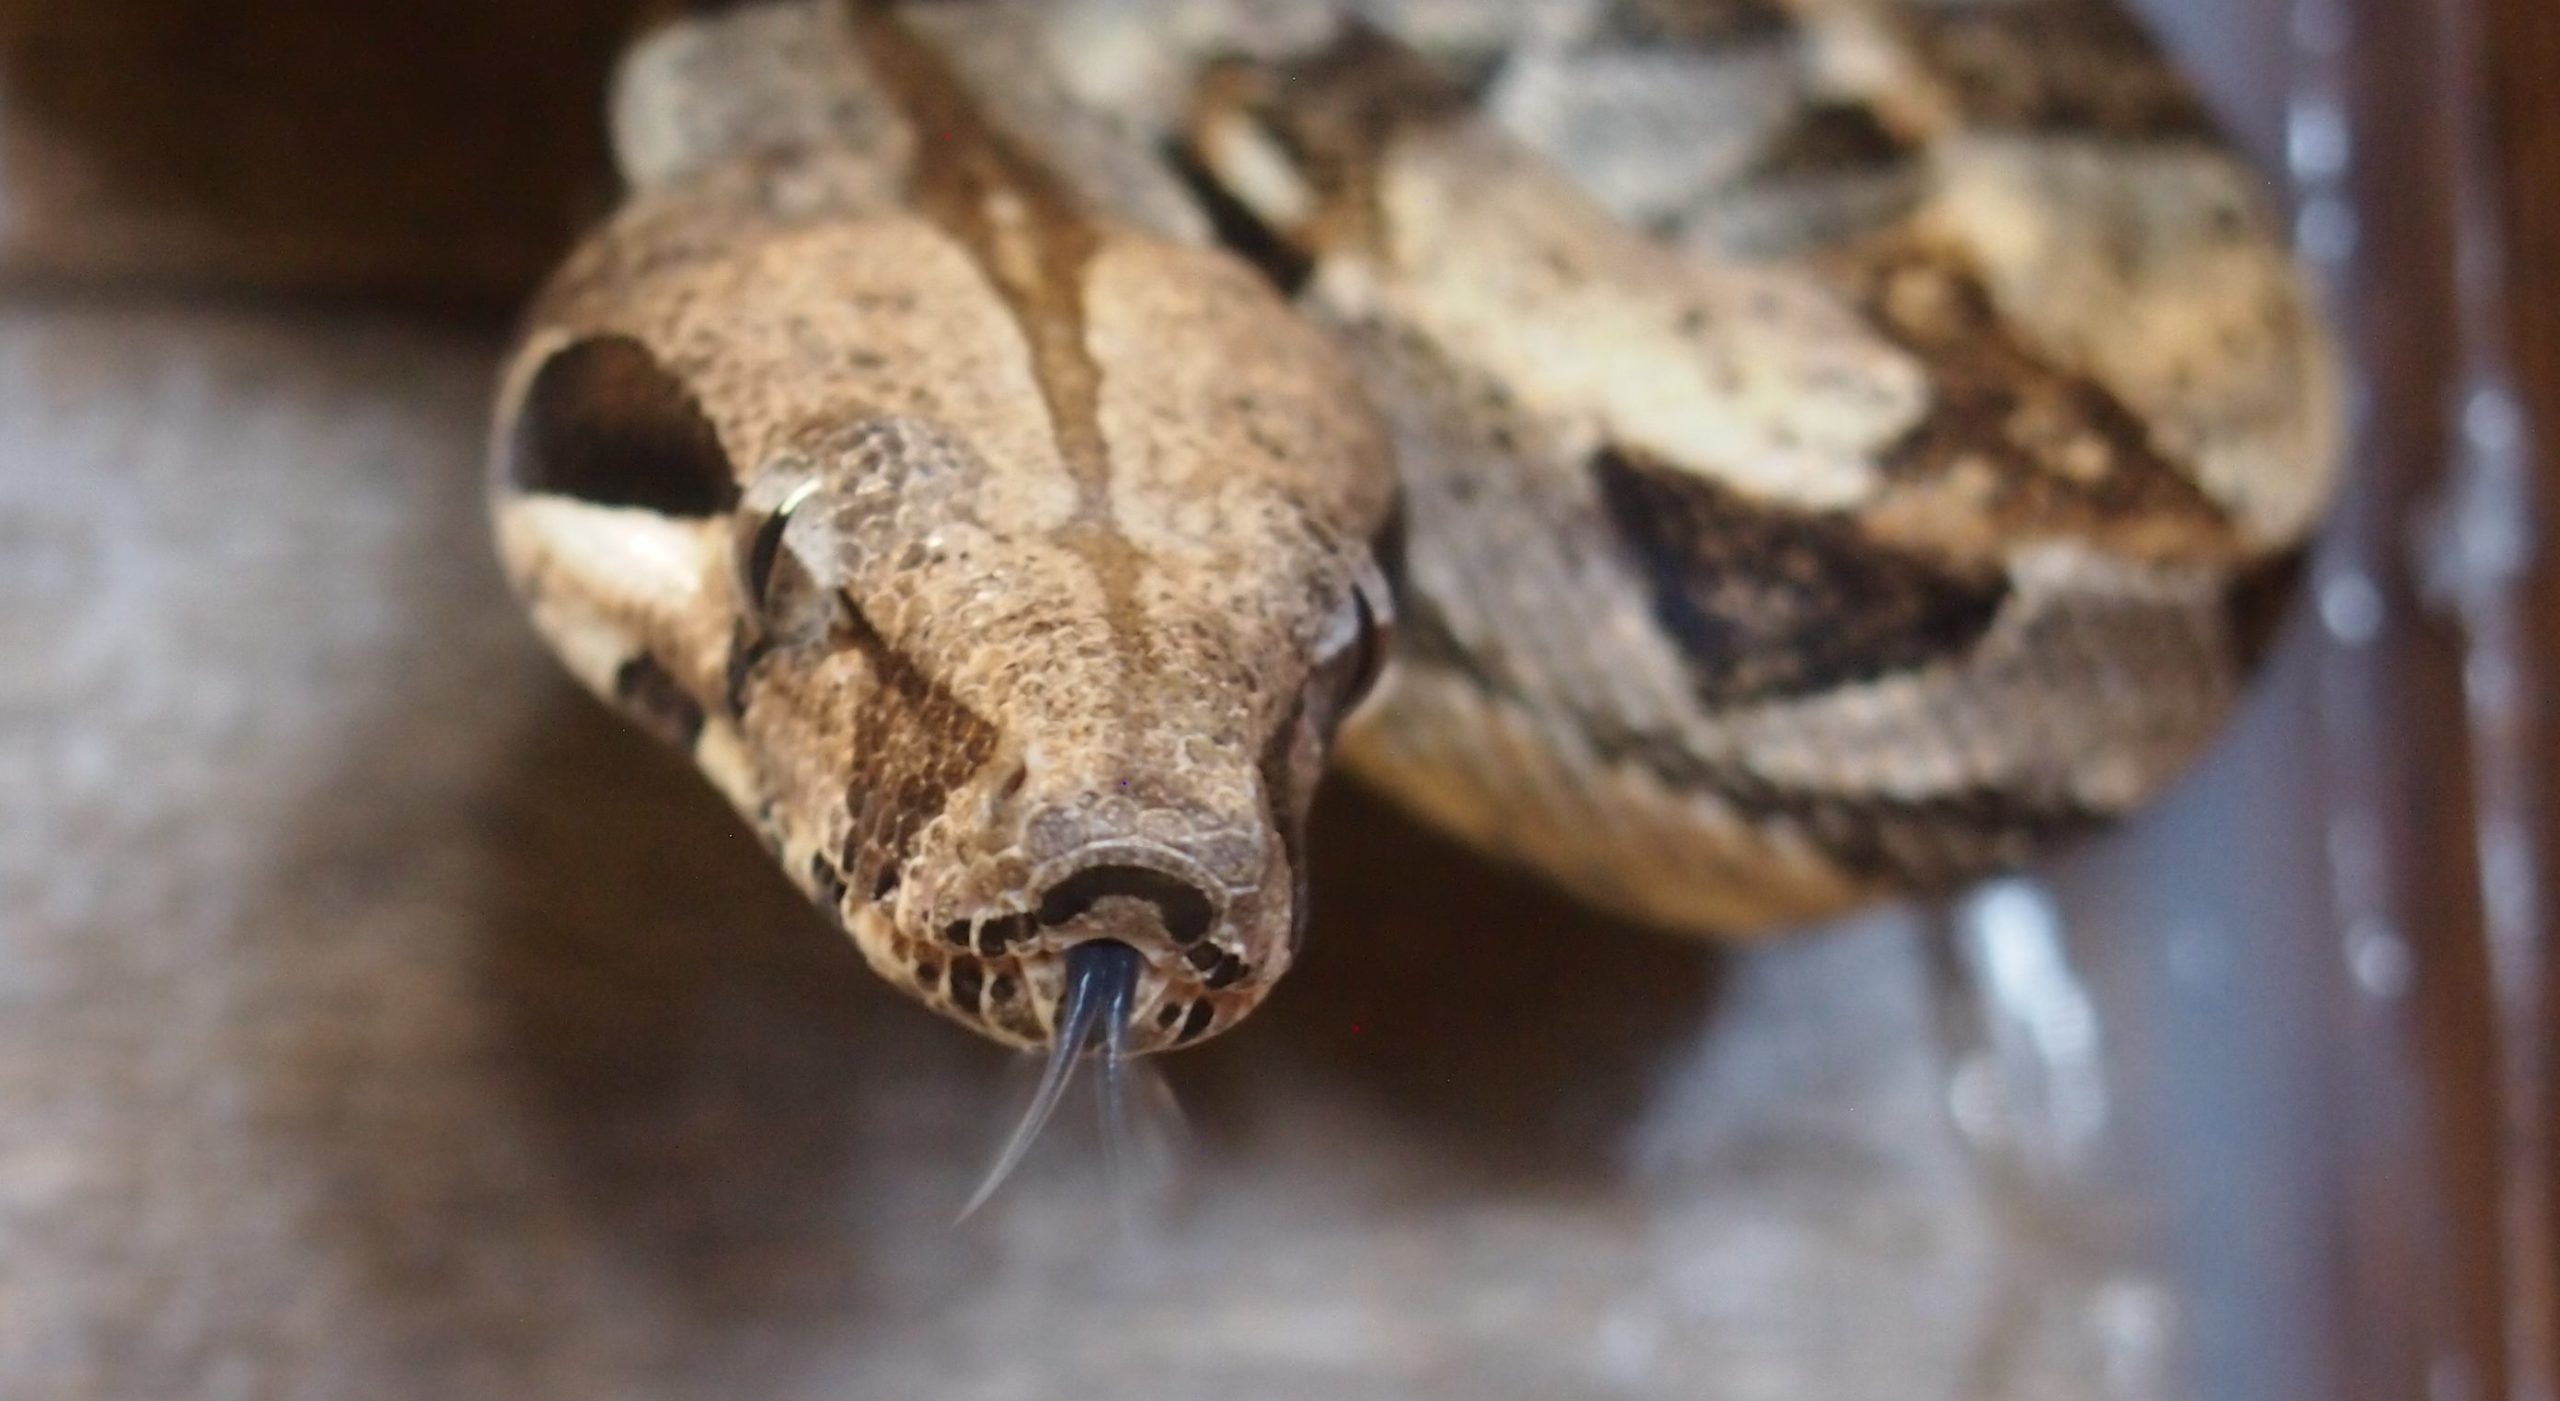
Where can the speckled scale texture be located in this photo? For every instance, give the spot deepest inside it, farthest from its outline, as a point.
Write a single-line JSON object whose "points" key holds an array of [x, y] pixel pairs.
{"points": [[1833, 433], [1831, 438]]}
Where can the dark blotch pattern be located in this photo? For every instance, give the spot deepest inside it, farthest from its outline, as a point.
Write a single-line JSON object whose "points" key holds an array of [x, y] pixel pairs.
{"points": [[658, 701], [1705, 24], [1237, 227], [604, 422], [1835, 139], [1202, 1013], [1335, 112], [923, 745], [1930, 844], [2079, 68], [1768, 603], [1998, 403]]}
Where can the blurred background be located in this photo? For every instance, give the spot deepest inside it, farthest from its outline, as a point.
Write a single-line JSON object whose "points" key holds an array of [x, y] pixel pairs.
{"points": [[379, 1018]]}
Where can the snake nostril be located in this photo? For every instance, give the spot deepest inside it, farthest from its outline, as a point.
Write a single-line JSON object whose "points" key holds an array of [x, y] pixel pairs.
{"points": [[1185, 910]]}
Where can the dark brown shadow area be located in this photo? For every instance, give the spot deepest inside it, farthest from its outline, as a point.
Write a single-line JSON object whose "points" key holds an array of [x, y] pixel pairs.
{"points": [[698, 1059], [1512, 1028], [557, 1040], [653, 1074], [435, 154]]}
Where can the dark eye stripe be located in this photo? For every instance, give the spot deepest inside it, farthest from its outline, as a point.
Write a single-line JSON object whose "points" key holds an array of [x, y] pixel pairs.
{"points": [[604, 422]]}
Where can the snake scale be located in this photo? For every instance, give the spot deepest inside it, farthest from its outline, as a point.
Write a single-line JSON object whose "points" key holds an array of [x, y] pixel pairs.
{"points": [[1753, 456]]}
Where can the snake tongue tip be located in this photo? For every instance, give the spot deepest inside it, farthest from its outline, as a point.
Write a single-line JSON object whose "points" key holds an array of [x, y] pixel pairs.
{"points": [[1101, 991]]}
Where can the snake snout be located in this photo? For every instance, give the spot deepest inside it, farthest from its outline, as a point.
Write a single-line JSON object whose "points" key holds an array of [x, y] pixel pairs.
{"points": [[1206, 950], [1185, 909]]}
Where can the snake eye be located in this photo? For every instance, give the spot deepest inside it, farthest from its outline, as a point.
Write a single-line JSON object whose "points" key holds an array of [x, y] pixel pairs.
{"points": [[758, 551], [1352, 655], [1377, 629]]}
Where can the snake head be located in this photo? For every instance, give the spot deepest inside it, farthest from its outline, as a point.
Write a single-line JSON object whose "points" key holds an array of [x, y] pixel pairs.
{"points": [[1007, 731], [1011, 628]]}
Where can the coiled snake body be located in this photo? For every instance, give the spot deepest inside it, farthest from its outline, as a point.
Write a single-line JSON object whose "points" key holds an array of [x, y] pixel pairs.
{"points": [[1789, 450]]}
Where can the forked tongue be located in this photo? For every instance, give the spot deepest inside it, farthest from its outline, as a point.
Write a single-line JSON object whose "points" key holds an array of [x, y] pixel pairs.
{"points": [[1102, 984]]}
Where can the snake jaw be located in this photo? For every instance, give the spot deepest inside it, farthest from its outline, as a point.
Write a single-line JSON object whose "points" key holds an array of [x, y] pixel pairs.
{"points": [[1093, 1012], [1014, 998], [1189, 859]]}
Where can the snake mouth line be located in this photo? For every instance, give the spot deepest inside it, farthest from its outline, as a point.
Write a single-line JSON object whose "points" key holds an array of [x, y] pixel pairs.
{"points": [[1093, 1013]]}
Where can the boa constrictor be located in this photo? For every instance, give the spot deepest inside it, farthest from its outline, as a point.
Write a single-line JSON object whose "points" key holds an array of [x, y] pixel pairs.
{"points": [[1768, 453]]}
